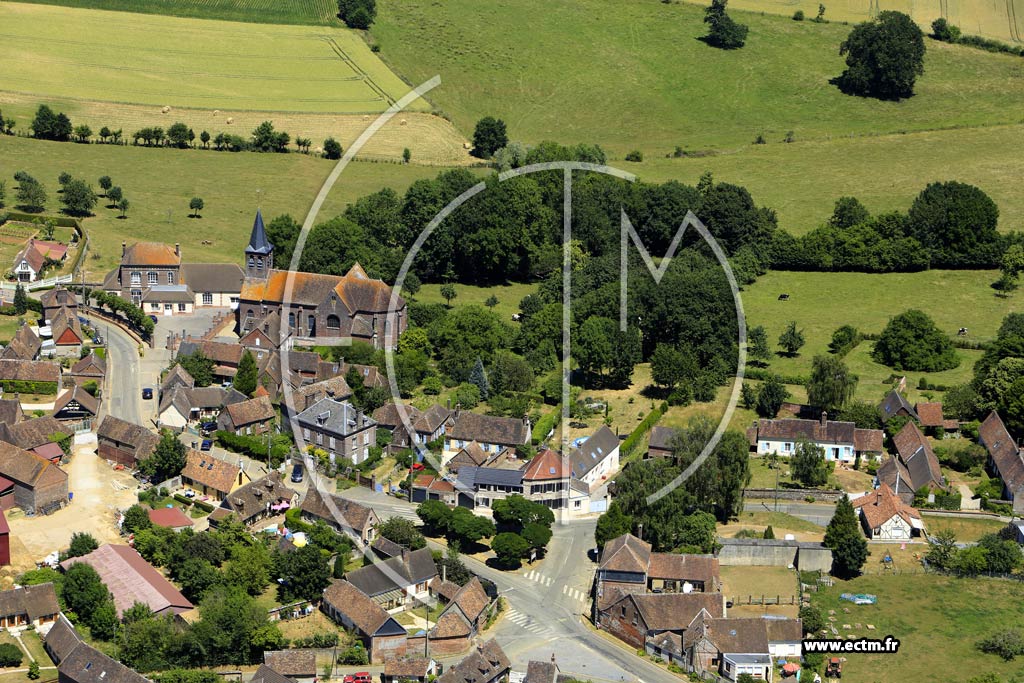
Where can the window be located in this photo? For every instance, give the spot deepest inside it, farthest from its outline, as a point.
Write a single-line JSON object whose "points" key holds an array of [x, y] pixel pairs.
{"points": [[622, 611], [787, 447], [319, 439], [330, 442], [207, 298], [252, 262], [137, 297], [155, 306], [152, 278], [576, 504], [136, 278], [333, 322], [311, 324], [305, 433], [170, 277], [366, 437], [291, 320]]}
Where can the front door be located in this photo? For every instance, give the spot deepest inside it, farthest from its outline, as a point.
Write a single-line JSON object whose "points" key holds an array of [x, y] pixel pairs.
{"points": [[168, 309]]}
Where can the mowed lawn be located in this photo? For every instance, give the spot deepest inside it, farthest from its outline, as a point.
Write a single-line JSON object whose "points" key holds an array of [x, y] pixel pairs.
{"points": [[160, 182], [937, 620], [508, 296], [821, 302], [635, 75], [262, 11], [802, 180], [171, 61]]}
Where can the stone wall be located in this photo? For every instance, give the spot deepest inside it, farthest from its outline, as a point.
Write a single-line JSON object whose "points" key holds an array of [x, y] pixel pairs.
{"points": [[819, 495], [756, 552]]}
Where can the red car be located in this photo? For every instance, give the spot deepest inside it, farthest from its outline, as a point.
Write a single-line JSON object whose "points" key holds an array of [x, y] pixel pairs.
{"points": [[360, 677], [417, 466]]}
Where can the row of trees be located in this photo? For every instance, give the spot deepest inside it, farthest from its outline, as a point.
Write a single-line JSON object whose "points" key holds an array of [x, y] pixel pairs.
{"points": [[76, 194], [135, 316]]}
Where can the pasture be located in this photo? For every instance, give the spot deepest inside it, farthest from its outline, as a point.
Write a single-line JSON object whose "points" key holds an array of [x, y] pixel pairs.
{"points": [[635, 75], [169, 61], [160, 182], [937, 619], [316, 12]]}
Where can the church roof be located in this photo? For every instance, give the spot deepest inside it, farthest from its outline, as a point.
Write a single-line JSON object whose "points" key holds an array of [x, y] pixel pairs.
{"points": [[258, 242]]}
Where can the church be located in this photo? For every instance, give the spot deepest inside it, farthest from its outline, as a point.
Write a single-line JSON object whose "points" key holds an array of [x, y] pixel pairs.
{"points": [[319, 308]]}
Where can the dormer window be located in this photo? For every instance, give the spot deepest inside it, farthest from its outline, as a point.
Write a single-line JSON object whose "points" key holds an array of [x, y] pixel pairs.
{"points": [[170, 277]]}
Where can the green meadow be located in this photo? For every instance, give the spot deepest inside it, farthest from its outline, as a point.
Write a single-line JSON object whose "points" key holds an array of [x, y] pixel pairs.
{"points": [[317, 12]]}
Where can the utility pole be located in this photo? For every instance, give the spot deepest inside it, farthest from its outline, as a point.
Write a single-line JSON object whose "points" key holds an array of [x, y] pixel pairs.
{"points": [[776, 486]]}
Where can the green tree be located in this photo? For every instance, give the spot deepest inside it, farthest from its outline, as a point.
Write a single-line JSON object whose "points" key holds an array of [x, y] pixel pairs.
{"points": [[249, 567], [115, 194], [136, 518], [1002, 556], [884, 57], [33, 670], [537, 535], [771, 397], [103, 621], [82, 543], [516, 512], [957, 224], [31, 196], [10, 655], [1010, 266], [723, 32], [204, 138], [478, 377], [168, 459], [304, 573], [467, 528], [612, 524], [809, 465], [945, 31], [971, 561], [812, 619], [105, 183], [848, 212], [668, 367], [137, 612], [245, 380], [177, 135], [198, 366], [332, 149], [757, 345], [20, 299], [448, 293], [792, 339], [436, 517], [843, 536], [406, 155], [123, 205], [510, 373], [510, 549], [769, 533], [196, 205], [83, 591], [489, 136], [831, 384], [403, 532], [912, 341]]}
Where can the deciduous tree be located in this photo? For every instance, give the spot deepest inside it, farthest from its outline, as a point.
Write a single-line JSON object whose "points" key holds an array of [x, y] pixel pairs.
{"points": [[884, 57]]}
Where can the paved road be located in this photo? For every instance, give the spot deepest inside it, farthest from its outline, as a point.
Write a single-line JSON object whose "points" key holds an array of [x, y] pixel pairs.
{"points": [[546, 604], [816, 513], [123, 395]]}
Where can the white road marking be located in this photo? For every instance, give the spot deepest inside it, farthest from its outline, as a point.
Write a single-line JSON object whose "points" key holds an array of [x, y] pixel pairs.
{"points": [[564, 589]]}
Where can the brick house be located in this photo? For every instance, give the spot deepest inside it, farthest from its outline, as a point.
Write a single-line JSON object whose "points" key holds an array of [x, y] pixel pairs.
{"points": [[427, 425], [731, 647], [39, 485], [341, 514], [66, 331], [123, 442], [25, 345], [89, 368], [1005, 459], [338, 428], [884, 516], [491, 433], [382, 636], [55, 299], [298, 665], [257, 500], [76, 404], [397, 582], [255, 416], [914, 466], [462, 619], [488, 663], [636, 618], [212, 476]]}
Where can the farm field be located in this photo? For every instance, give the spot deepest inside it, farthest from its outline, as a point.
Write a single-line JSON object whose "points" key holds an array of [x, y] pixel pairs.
{"points": [[160, 182], [635, 75], [316, 12], [821, 302], [937, 619], [802, 180], [169, 61]]}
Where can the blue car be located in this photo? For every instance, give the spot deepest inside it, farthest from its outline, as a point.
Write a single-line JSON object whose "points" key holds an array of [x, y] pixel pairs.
{"points": [[206, 445], [147, 393]]}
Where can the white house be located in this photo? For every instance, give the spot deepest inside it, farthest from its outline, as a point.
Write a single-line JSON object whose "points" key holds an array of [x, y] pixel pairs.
{"points": [[597, 458], [841, 441], [492, 434], [885, 517]]}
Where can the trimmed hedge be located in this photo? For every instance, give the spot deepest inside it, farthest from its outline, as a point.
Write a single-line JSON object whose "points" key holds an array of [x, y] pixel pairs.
{"points": [[25, 387], [544, 426], [633, 440], [253, 446]]}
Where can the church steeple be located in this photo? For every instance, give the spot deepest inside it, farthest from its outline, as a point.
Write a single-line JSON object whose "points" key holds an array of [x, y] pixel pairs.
{"points": [[259, 255]]}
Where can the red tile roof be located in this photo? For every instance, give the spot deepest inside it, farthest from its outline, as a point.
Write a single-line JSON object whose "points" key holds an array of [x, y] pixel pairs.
{"points": [[930, 414], [172, 518], [131, 579]]}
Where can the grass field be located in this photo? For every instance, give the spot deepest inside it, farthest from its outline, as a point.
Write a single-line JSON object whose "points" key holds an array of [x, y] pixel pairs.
{"points": [[316, 12], [967, 529], [508, 296], [821, 302], [937, 619], [802, 180], [159, 183], [634, 75], [169, 61]]}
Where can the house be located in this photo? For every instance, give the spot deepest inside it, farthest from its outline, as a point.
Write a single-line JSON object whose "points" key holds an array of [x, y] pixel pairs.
{"points": [[257, 500], [597, 458], [31, 261], [61, 640], [5, 528], [131, 579], [264, 674], [382, 636], [39, 485], [401, 669], [266, 335], [398, 582], [839, 440], [913, 467], [210, 476], [629, 566], [731, 647], [1005, 459], [89, 368], [182, 407], [462, 619], [76, 405], [895, 405], [309, 394], [225, 356], [25, 345], [28, 607], [426, 425], [298, 665], [637, 618], [254, 416], [40, 435], [429, 487], [470, 455], [488, 663], [11, 412], [177, 376], [660, 443], [313, 306], [493, 434], [542, 672], [170, 518], [213, 285], [385, 548], [341, 514], [885, 517], [29, 376], [123, 442], [338, 428], [66, 330], [86, 664], [57, 298]]}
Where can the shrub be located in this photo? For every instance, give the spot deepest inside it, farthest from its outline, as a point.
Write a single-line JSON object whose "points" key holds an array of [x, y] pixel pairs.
{"points": [[945, 31], [635, 155], [798, 15], [1007, 644], [10, 655]]}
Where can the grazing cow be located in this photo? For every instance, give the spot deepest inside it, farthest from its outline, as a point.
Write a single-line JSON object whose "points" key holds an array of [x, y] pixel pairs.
{"points": [[783, 297], [962, 332]]}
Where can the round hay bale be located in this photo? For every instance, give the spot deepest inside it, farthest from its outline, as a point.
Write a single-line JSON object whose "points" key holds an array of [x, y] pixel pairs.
{"points": [[319, 150], [466, 145], [166, 109], [231, 119], [404, 122], [366, 117], [216, 112]]}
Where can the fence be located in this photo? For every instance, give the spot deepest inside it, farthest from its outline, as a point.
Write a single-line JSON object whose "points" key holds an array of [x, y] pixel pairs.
{"points": [[38, 284], [766, 600]]}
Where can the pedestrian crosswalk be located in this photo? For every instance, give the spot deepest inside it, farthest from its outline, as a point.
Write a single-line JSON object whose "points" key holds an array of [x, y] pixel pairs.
{"points": [[538, 577], [575, 594], [528, 624], [572, 593]]}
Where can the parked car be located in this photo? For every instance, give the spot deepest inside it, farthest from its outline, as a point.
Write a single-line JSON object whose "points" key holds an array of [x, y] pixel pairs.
{"points": [[417, 466], [154, 319], [297, 473], [208, 427], [206, 445], [147, 393]]}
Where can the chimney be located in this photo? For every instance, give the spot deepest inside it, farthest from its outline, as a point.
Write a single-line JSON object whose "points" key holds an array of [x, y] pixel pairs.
{"points": [[449, 406], [458, 411], [444, 573], [824, 418], [552, 657], [124, 249], [177, 249]]}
